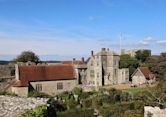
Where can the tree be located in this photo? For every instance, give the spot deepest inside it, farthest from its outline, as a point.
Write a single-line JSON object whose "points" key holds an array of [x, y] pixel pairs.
{"points": [[126, 61], [157, 65], [26, 56], [142, 55]]}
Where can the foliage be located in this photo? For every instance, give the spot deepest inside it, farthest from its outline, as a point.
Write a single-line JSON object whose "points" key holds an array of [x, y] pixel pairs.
{"points": [[39, 111], [35, 93], [142, 55], [77, 91], [7, 93], [26, 56], [126, 61], [77, 113], [157, 65]]}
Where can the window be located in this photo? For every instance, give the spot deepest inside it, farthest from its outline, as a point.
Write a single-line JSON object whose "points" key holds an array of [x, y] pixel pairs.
{"points": [[68, 85], [38, 87], [91, 73], [59, 85], [114, 62], [97, 75], [97, 63], [92, 63]]}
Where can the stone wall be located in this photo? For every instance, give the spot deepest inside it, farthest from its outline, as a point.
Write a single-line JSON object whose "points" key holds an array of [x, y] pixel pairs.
{"points": [[6, 70], [154, 112], [12, 106], [7, 73], [50, 87]]}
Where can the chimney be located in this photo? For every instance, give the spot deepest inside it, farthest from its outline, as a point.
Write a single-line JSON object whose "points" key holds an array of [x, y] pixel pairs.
{"points": [[82, 59], [108, 49], [74, 59], [102, 49], [92, 53]]}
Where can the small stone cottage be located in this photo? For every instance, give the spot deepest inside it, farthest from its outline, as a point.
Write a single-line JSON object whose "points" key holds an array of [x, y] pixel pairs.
{"points": [[50, 79], [142, 75]]}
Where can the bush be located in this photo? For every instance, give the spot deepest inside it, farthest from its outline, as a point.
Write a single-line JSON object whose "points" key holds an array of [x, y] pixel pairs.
{"points": [[7, 93], [77, 91], [38, 94], [77, 113], [39, 111]]}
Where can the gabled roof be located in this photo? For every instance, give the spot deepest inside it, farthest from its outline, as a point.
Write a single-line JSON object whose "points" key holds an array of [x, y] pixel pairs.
{"points": [[44, 73], [145, 71]]}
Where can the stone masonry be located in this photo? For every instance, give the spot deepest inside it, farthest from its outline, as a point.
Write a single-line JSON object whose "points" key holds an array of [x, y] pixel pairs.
{"points": [[154, 112], [12, 106]]}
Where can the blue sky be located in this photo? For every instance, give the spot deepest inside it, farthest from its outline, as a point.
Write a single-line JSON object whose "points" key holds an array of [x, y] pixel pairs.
{"points": [[63, 29]]}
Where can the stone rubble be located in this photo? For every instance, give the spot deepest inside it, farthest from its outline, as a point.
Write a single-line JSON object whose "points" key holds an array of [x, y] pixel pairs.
{"points": [[154, 112], [12, 106]]}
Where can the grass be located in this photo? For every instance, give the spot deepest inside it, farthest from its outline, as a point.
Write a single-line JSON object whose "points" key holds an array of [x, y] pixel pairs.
{"points": [[137, 90]]}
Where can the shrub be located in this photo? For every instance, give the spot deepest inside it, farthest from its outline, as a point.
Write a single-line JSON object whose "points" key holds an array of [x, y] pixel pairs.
{"points": [[7, 93], [77, 91], [38, 94], [39, 111]]}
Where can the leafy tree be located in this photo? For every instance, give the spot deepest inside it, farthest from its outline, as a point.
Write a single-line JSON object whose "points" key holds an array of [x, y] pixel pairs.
{"points": [[142, 55], [26, 56], [157, 65], [126, 61]]}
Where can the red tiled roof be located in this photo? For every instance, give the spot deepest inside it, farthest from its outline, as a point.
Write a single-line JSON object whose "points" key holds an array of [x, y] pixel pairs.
{"points": [[75, 62], [146, 72], [44, 73]]}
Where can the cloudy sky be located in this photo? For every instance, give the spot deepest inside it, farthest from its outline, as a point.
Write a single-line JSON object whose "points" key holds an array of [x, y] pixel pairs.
{"points": [[64, 29]]}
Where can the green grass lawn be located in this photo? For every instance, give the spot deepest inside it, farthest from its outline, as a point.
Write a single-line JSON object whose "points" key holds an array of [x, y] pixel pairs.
{"points": [[136, 90]]}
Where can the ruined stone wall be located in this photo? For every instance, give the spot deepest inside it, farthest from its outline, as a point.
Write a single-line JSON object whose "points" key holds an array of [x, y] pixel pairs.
{"points": [[7, 73], [6, 70], [154, 112], [12, 106]]}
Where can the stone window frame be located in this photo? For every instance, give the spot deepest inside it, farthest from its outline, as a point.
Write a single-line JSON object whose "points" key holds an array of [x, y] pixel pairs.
{"points": [[38, 87], [92, 73], [59, 85]]}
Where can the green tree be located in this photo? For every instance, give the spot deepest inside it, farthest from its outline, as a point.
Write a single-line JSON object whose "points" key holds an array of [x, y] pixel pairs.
{"points": [[157, 65], [26, 56], [142, 55], [126, 61]]}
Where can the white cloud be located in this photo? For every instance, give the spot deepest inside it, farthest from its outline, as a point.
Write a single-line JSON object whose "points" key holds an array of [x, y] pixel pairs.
{"points": [[162, 42], [146, 41]]}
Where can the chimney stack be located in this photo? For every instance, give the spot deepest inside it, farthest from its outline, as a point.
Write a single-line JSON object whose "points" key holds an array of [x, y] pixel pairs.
{"points": [[92, 53], [102, 49], [82, 59]]}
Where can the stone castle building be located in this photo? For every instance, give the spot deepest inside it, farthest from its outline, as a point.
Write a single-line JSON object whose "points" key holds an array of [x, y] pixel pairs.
{"points": [[98, 70], [132, 52], [102, 69]]}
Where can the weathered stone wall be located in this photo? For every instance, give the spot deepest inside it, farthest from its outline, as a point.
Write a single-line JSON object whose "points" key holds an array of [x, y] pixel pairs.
{"points": [[12, 106], [7, 73], [6, 70], [50, 87], [154, 112]]}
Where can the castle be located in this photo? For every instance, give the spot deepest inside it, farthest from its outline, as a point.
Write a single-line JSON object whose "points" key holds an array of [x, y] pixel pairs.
{"points": [[98, 70]]}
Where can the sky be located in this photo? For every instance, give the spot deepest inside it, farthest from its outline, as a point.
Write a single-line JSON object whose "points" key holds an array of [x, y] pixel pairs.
{"points": [[66, 29]]}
